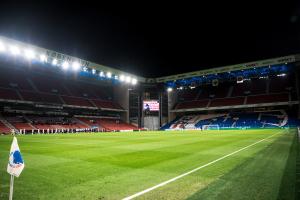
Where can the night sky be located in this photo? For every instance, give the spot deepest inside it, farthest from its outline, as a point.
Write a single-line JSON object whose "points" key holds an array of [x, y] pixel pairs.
{"points": [[152, 40]]}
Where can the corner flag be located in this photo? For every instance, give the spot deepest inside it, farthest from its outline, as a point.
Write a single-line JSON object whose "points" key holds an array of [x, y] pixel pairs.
{"points": [[15, 163]]}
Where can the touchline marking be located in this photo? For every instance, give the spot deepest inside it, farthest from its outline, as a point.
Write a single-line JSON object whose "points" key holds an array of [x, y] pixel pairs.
{"points": [[194, 170]]}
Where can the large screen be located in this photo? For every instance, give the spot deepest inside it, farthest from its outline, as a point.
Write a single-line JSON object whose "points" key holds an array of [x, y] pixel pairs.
{"points": [[151, 105]]}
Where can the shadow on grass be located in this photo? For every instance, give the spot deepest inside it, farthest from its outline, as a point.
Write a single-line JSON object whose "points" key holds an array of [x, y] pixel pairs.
{"points": [[270, 174], [288, 184]]}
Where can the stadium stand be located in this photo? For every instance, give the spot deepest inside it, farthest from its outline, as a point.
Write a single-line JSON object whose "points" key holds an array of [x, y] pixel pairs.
{"points": [[256, 91], [108, 124], [9, 94], [35, 98], [236, 120], [4, 129], [106, 104], [268, 98], [227, 101], [77, 101]]}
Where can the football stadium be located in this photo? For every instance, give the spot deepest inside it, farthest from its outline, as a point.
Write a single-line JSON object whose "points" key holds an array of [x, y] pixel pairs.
{"points": [[89, 131]]}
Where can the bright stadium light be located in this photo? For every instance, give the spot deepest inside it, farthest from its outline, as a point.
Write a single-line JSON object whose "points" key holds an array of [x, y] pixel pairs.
{"points": [[75, 66], [43, 58], [128, 79], [65, 65], [134, 81], [108, 75], [85, 69], [122, 78], [2, 47], [101, 74], [93, 71], [280, 75], [54, 62], [169, 89], [29, 54], [116, 77], [14, 50]]}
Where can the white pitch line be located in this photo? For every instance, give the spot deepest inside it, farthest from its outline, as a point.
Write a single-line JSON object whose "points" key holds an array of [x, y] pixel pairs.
{"points": [[194, 170]]}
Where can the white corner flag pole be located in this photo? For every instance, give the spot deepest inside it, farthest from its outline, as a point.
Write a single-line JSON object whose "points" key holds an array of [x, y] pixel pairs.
{"points": [[11, 189]]}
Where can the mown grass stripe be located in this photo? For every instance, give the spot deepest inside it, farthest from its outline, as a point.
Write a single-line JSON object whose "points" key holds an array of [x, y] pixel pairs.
{"points": [[194, 170]]}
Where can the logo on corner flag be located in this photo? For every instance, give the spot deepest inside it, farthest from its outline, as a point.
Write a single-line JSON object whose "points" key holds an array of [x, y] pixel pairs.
{"points": [[15, 163]]}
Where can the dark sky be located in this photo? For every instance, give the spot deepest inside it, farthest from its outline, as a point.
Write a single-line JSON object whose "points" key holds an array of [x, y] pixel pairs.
{"points": [[152, 39]]}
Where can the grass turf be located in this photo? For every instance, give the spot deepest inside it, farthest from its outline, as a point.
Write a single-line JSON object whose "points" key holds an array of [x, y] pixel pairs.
{"points": [[117, 165]]}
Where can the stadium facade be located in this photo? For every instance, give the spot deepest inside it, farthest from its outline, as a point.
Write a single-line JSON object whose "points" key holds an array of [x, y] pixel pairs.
{"points": [[43, 91]]}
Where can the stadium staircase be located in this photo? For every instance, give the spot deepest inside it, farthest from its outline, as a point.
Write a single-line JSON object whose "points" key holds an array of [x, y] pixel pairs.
{"points": [[6, 127]]}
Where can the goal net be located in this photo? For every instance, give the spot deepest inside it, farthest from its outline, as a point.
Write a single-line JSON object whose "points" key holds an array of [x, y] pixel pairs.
{"points": [[211, 127]]}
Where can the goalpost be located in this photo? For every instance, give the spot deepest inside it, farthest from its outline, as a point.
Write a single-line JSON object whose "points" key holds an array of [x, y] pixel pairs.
{"points": [[211, 127]]}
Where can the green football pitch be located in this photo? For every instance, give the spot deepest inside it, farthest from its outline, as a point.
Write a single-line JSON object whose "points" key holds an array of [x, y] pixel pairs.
{"points": [[231, 164]]}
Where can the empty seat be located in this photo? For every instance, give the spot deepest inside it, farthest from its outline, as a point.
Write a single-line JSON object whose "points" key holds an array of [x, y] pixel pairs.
{"points": [[8, 94], [192, 104], [76, 101], [227, 101], [268, 98]]}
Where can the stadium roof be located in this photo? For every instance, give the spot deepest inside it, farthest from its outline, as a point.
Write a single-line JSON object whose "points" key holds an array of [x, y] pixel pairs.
{"points": [[231, 68], [154, 41], [64, 59]]}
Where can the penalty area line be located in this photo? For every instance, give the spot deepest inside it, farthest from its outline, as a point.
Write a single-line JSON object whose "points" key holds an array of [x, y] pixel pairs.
{"points": [[194, 170]]}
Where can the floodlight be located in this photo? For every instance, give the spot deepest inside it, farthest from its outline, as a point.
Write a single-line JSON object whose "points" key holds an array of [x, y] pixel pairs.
{"points": [[169, 89], [75, 66], [65, 65], [101, 74], [43, 58], [93, 71], [133, 81], [116, 77], [85, 69], [283, 74], [2, 47], [54, 62], [29, 54], [128, 79], [108, 74], [122, 78], [14, 50]]}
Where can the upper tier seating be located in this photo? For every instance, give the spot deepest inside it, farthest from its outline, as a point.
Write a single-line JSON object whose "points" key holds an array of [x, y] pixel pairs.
{"points": [[272, 90], [106, 104], [281, 84], [252, 87], [9, 94], [192, 104], [40, 97], [41, 88], [80, 89], [227, 101], [50, 85], [188, 95], [14, 79], [77, 101], [268, 98]]}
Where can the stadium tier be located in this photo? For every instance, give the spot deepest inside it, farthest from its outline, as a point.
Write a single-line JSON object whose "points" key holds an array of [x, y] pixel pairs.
{"points": [[19, 85], [243, 120], [272, 90], [63, 93]]}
